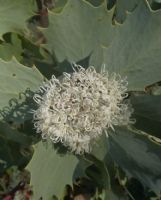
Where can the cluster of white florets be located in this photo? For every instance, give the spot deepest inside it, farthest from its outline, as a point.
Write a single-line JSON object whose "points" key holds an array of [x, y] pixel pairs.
{"points": [[78, 108]]}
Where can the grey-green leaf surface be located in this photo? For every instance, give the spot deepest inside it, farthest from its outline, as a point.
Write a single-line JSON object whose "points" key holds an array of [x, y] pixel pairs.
{"points": [[8, 133], [98, 172], [158, 1], [147, 112], [13, 153], [77, 30], [59, 4], [139, 156], [134, 51], [95, 2], [15, 79], [50, 171], [100, 147], [123, 7], [130, 49], [8, 50], [13, 15]]}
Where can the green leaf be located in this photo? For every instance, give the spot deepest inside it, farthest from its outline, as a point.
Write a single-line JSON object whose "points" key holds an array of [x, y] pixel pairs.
{"points": [[18, 110], [101, 147], [134, 52], [13, 153], [59, 4], [13, 15], [8, 50], [74, 33], [98, 172], [50, 171], [95, 2], [15, 79], [9, 133], [31, 52], [139, 156], [110, 195], [110, 3], [122, 7], [156, 90], [81, 167], [103, 175], [147, 113], [117, 191]]}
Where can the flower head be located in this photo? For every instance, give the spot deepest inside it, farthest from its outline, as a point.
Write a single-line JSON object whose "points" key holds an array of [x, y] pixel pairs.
{"points": [[78, 108]]}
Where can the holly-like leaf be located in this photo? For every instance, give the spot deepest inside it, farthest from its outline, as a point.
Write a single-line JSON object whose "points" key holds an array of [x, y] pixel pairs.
{"points": [[139, 156], [50, 171], [122, 7], [75, 32], [13, 153], [135, 52], [8, 50], [147, 113], [15, 80], [13, 15]]}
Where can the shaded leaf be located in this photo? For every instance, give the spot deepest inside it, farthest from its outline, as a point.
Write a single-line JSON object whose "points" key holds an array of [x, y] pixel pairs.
{"points": [[156, 90], [81, 167], [101, 147], [12, 153], [117, 190], [139, 156], [8, 133], [95, 2], [110, 3], [110, 195], [155, 5], [98, 172], [103, 174], [18, 110], [147, 113]]}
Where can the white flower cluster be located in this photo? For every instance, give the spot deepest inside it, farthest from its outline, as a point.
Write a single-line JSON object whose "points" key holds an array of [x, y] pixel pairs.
{"points": [[78, 108]]}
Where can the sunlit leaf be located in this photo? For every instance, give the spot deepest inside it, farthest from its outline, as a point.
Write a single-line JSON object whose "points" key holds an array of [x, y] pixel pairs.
{"points": [[13, 15], [50, 170], [74, 33], [134, 52], [17, 81]]}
